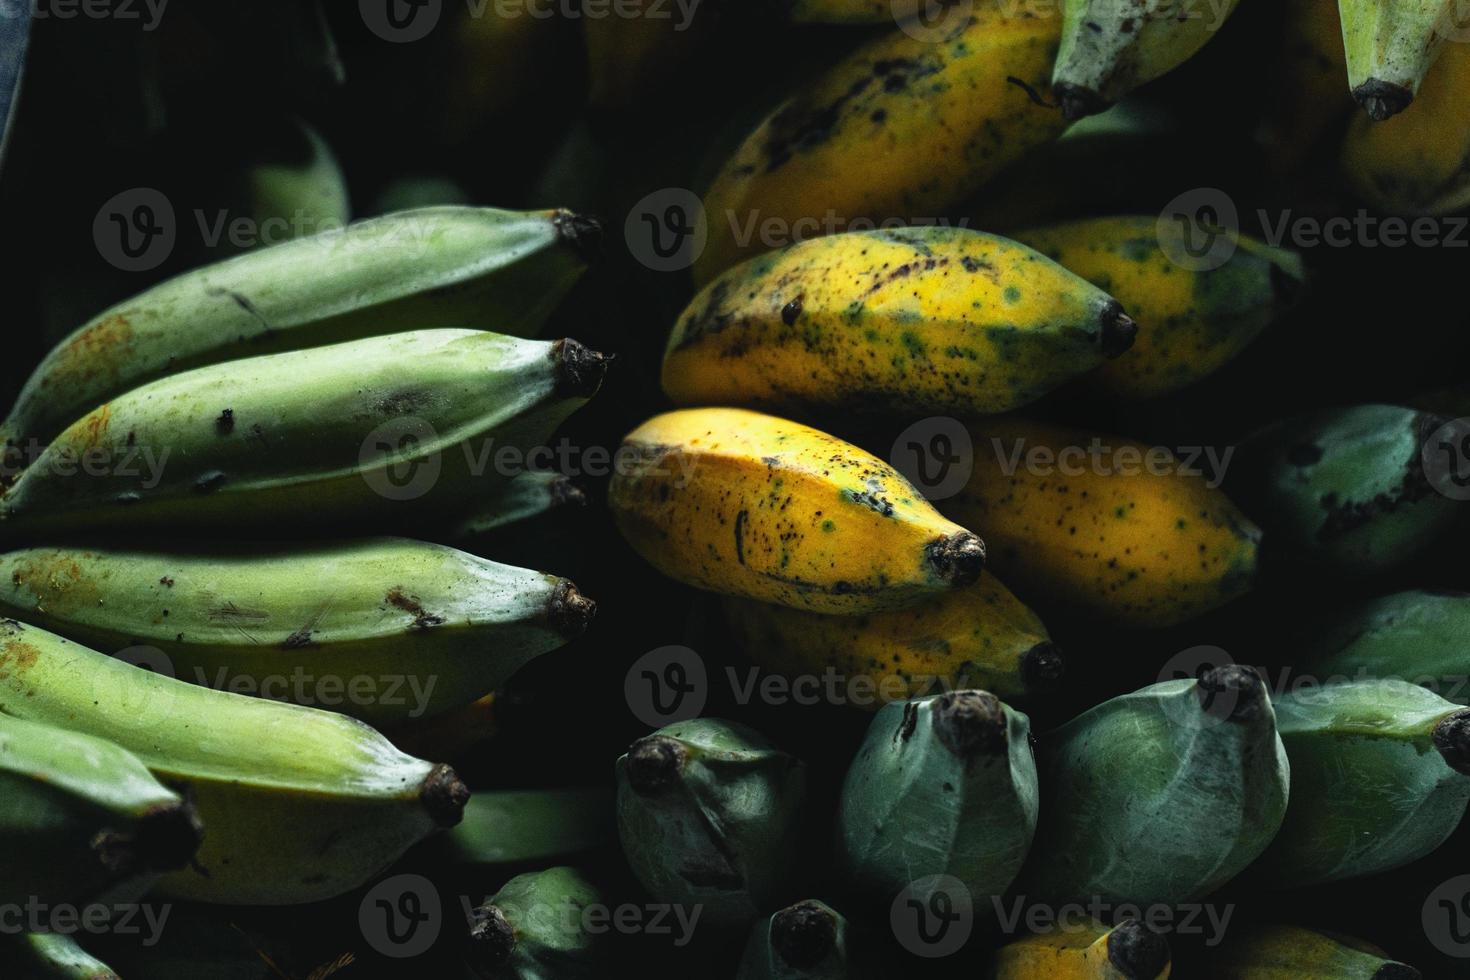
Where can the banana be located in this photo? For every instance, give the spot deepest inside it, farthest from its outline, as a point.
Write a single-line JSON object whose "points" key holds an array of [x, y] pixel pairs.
{"points": [[445, 625], [944, 785], [1191, 322], [1378, 779], [707, 815], [1272, 952], [805, 941], [82, 816], [300, 804], [1128, 951], [1130, 537], [1159, 796], [1415, 636], [755, 506], [512, 826], [1344, 488], [978, 636], [901, 129], [921, 321], [525, 495], [425, 190], [534, 928], [491, 56], [431, 267], [1109, 48], [1308, 99], [1391, 45], [450, 735], [308, 437], [1418, 163], [55, 956], [634, 58], [298, 193]]}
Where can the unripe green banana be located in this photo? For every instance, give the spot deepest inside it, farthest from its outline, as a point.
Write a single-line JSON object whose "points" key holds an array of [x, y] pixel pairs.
{"points": [[301, 191], [1391, 45], [534, 928], [1159, 796], [1380, 776], [1344, 488], [431, 267], [441, 626], [1270, 952], [707, 815], [512, 826], [1415, 636], [309, 437], [53, 956], [522, 497], [943, 785], [301, 804], [805, 941], [81, 815]]}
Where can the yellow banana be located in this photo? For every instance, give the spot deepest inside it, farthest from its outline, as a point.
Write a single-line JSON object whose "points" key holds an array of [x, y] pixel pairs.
{"points": [[1190, 323], [1128, 951], [919, 321], [901, 129], [752, 505], [1418, 163], [1267, 952], [980, 636], [1104, 525]]}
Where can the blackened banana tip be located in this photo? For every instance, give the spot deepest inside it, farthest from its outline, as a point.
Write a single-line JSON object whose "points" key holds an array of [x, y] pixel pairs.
{"points": [[492, 937], [803, 934], [444, 795], [582, 232], [1452, 739], [169, 835], [570, 612], [579, 369], [1232, 692], [654, 764], [957, 559], [1137, 951], [564, 491], [1078, 101], [1119, 330], [1042, 666], [1383, 100], [970, 723], [1397, 971]]}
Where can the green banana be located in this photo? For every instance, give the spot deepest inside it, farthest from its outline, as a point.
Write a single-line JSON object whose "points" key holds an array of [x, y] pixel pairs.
{"points": [[1159, 796], [1391, 45], [1378, 779], [1416, 636], [55, 956], [1344, 488], [522, 497], [805, 941], [81, 815], [943, 785], [301, 804], [442, 624], [535, 928], [300, 193], [431, 267], [309, 437], [707, 815], [1268, 952], [510, 826], [1109, 48]]}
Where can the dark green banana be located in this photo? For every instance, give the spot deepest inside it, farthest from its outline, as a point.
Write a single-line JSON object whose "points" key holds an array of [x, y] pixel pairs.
{"points": [[536, 928], [52, 956], [508, 826]]}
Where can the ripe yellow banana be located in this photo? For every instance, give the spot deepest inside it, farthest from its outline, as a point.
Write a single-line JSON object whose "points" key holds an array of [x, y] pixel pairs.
{"points": [[1104, 525], [919, 321], [1418, 163], [752, 505], [1391, 46], [1190, 323], [1270, 952], [901, 129], [300, 804], [1129, 951], [980, 636]]}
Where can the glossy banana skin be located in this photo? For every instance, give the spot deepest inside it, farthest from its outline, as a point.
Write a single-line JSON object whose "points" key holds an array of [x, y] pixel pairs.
{"points": [[752, 505], [434, 267], [901, 129], [532, 929], [1150, 548], [455, 625], [1414, 636], [307, 437], [300, 805], [1344, 488], [1129, 951], [707, 815], [980, 636], [55, 956], [917, 321], [944, 785], [1380, 776], [1190, 323], [1418, 163], [1109, 48], [1162, 795], [805, 941], [1391, 45], [1270, 952]]}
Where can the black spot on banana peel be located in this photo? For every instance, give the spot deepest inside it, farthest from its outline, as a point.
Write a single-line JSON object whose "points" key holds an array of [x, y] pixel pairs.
{"points": [[957, 559], [579, 369], [1137, 951], [1452, 739], [655, 763], [1383, 100], [970, 723], [492, 939], [444, 796], [804, 934]]}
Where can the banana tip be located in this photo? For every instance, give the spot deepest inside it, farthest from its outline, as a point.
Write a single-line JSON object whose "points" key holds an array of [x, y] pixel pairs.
{"points": [[444, 795], [1042, 666], [579, 369], [971, 723], [570, 611], [1232, 692], [1452, 739], [492, 937], [564, 492], [957, 559], [803, 934], [581, 232], [1079, 101], [1119, 330], [1137, 951], [1383, 100], [654, 764]]}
